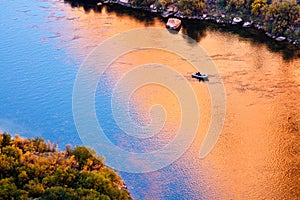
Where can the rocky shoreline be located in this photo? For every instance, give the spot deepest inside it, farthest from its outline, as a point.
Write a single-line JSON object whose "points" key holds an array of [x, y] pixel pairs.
{"points": [[222, 19]]}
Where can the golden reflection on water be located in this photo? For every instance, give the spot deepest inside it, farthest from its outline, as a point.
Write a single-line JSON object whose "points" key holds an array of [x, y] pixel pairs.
{"points": [[148, 95], [257, 155]]}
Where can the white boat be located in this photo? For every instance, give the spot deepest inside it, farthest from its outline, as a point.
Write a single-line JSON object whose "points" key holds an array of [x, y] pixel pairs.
{"points": [[173, 23], [200, 76]]}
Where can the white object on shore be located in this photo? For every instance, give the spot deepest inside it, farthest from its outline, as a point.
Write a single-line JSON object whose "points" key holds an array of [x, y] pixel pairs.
{"points": [[247, 24], [124, 1], [280, 38], [269, 34], [153, 6], [237, 20]]}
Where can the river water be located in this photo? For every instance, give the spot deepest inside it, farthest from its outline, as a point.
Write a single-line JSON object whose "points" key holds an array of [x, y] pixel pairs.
{"points": [[44, 42]]}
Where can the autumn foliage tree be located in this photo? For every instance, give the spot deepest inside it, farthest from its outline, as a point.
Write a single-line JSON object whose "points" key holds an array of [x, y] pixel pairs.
{"points": [[34, 169], [191, 7], [258, 7], [281, 16]]}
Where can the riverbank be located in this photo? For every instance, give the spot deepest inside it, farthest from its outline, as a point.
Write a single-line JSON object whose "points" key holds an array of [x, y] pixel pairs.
{"points": [[217, 16]]}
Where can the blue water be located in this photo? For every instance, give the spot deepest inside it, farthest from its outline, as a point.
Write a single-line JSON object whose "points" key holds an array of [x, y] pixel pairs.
{"points": [[36, 76], [40, 55]]}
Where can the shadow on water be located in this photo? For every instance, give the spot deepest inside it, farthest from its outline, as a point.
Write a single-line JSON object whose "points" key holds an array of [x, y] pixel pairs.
{"points": [[141, 16], [87, 6], [196, 29]]}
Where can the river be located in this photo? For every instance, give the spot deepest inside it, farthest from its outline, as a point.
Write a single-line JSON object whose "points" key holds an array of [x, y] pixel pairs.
{"points": [[44, 42]]}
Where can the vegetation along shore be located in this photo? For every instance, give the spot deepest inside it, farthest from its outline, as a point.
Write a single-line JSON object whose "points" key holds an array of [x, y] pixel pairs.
{"points": [[279, 19], [35, 169]]}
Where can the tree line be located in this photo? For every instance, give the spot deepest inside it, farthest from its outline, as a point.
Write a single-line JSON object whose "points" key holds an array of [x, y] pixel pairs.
{"points": [[279, 17], [35, 169]]}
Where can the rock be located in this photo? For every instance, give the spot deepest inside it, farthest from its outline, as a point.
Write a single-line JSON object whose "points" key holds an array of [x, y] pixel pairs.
{"points": [[269, 34], [124, 1], [247, 24], [179, 15], [259, 27], [153, 6], [173, 23], [296, 42], [236, 20], [280, 38]]}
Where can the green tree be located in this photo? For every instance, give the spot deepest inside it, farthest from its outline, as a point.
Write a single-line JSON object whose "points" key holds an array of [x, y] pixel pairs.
{"points": [[11, 151], [34, 188], [82, 154], [59, 193], [8, 189], [6, 140]]}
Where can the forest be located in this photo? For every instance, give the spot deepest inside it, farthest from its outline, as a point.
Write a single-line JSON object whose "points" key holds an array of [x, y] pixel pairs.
{"points": [[274, 16], [35, 169]]}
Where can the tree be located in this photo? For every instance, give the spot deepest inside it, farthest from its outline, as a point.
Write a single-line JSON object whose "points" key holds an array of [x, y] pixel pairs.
{"points": [[59, 193], [30, 170], [257, 7], [8, 190], [281, 16], [191, 7], [34, 188], [164, 3], [11, 151], [235, 5], [83, 154], [6, 140]]}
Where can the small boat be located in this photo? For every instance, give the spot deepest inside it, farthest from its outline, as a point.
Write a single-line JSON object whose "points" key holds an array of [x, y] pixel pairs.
{"points": [[173, 23], [200, 76]]}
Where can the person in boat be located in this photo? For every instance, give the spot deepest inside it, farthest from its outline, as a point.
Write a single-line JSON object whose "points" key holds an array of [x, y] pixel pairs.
{"points": [[198, 74]]}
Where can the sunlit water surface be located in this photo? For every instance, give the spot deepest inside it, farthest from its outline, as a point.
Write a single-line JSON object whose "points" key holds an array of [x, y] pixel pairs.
{"points": [[43, 44]]}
